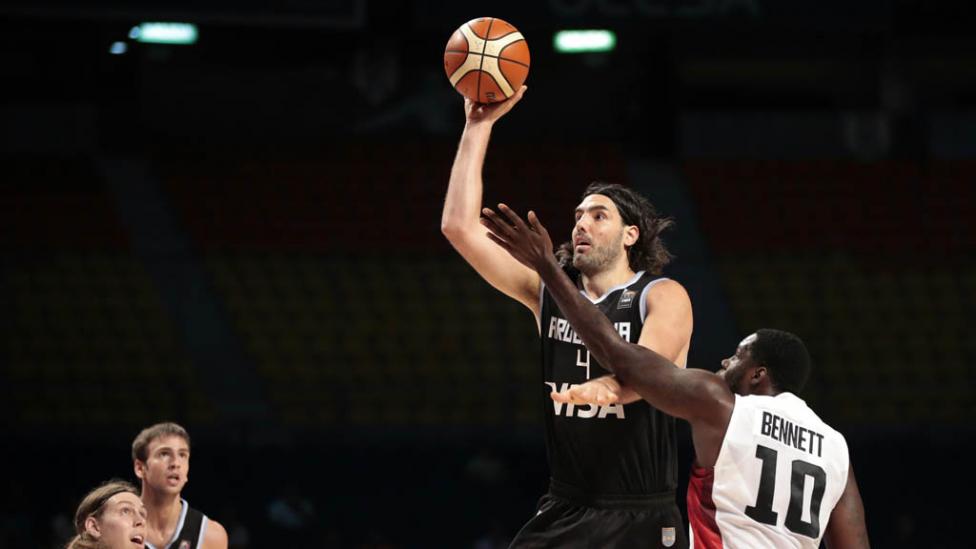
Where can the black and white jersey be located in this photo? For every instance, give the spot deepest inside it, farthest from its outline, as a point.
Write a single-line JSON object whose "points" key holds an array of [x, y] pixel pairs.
{"points": [[616, 449], [189, 530]]}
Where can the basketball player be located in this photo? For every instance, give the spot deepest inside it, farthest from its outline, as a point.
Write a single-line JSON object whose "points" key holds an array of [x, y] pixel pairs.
{"points": [[161, 458], [613, 468], [110, 517], [768, 472]]}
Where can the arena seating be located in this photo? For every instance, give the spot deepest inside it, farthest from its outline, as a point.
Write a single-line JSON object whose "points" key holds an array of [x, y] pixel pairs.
{"points": [[347, 296], [874, 280], [87, 332]]}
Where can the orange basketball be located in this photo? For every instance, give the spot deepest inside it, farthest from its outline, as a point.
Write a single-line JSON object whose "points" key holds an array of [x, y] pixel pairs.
{"points": [[486, 60]]}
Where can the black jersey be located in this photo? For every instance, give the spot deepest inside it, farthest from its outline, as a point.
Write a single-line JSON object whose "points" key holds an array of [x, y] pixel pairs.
{"points": [[603, 450], [189, 530]]}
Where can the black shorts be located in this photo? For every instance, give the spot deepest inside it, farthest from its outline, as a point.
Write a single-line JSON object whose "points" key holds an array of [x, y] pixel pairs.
{"points": [[566, 519]]}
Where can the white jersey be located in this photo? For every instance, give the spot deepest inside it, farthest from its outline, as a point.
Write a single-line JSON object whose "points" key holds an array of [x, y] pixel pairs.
{"points": [[779, 475]]}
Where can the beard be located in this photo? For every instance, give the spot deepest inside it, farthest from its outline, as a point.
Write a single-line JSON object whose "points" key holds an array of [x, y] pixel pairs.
{"points": [[600, 257], [733, 377]]}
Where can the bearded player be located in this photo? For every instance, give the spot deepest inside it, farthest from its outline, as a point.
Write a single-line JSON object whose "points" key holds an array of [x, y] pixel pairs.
{"points": [[614, 467], [768, 471]]}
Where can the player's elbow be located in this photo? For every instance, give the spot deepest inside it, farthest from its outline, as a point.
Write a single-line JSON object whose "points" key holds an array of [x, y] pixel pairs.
{"points": [[451, 229], [459, 233]]}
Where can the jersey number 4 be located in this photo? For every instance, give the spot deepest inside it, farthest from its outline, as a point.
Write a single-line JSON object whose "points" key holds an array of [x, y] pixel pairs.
{"points": [[763, 510]]}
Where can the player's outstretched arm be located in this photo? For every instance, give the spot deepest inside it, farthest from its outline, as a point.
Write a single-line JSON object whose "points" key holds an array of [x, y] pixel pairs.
{"points": [[667, 331], [846, 528], [462, 207], [695, 395]]}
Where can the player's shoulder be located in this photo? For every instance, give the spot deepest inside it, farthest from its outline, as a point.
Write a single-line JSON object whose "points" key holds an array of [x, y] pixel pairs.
{"points": [[663, 285], [215, 536], [793, 407], [667, 293]]}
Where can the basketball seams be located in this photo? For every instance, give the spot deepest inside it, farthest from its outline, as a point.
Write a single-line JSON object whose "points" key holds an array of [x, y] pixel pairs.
{"points": [[471, 38], [496, 46], [470, 64], [479, 21], [491, 81], [500, 72], [503, 36], [483, 47], [526, 65], [467, 42], [499, 57]]}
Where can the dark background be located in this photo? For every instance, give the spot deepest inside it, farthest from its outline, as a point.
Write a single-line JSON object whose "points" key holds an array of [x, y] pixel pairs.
{"points": [[242, 235]]}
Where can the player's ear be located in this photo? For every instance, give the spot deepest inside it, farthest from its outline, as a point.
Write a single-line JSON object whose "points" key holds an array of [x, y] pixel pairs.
{"points": [[758, 375], [631, 234], [91, 526], [139, 468]]}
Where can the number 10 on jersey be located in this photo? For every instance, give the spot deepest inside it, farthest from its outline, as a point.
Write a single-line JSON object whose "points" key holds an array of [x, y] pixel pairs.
{"points": [[763, 511]]}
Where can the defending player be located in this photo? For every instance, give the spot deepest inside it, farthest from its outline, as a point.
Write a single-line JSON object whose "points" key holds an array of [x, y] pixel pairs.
{"points": [[613, 467], [161, 458], [768, 472]]}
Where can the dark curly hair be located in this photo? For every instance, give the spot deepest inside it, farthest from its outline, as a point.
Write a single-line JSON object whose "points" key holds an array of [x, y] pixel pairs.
{"points": [[648, 253], [785, 357]]}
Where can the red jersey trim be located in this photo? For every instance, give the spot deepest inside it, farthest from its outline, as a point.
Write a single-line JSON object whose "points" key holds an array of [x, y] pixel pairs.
{"points": [[701, 509]]}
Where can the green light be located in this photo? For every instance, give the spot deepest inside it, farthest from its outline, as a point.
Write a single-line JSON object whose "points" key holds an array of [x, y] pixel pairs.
{"points": [[584, 41], [165, 33]]}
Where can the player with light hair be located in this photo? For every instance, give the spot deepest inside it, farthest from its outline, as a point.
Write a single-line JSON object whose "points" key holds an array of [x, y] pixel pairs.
{"points": [[111, 516]]}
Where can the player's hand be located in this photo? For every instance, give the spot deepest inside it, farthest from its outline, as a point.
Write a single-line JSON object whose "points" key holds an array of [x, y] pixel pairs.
{"points": [[595, 391], [490, 112], [529, 243]]}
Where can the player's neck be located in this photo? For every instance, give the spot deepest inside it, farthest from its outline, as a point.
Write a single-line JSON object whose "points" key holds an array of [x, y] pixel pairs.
{"points": [[162, 509], [597, 284]]}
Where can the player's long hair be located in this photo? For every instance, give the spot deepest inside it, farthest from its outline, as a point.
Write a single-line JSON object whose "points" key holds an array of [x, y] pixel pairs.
{"points": [[93, 504], [649, 252]]}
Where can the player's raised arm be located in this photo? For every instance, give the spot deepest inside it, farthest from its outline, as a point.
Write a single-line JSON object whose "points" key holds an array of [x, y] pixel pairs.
{"points": [[846, 528], [462, 208], [695, 395]]}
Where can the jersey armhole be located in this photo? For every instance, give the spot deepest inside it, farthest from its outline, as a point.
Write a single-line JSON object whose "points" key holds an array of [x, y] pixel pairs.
{"points": [[203, 530], [542, 300], [736, 400], [643, 298]]}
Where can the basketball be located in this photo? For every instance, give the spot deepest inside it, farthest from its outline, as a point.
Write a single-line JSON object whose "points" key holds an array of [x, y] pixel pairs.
{"points": [[486, 60]]}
